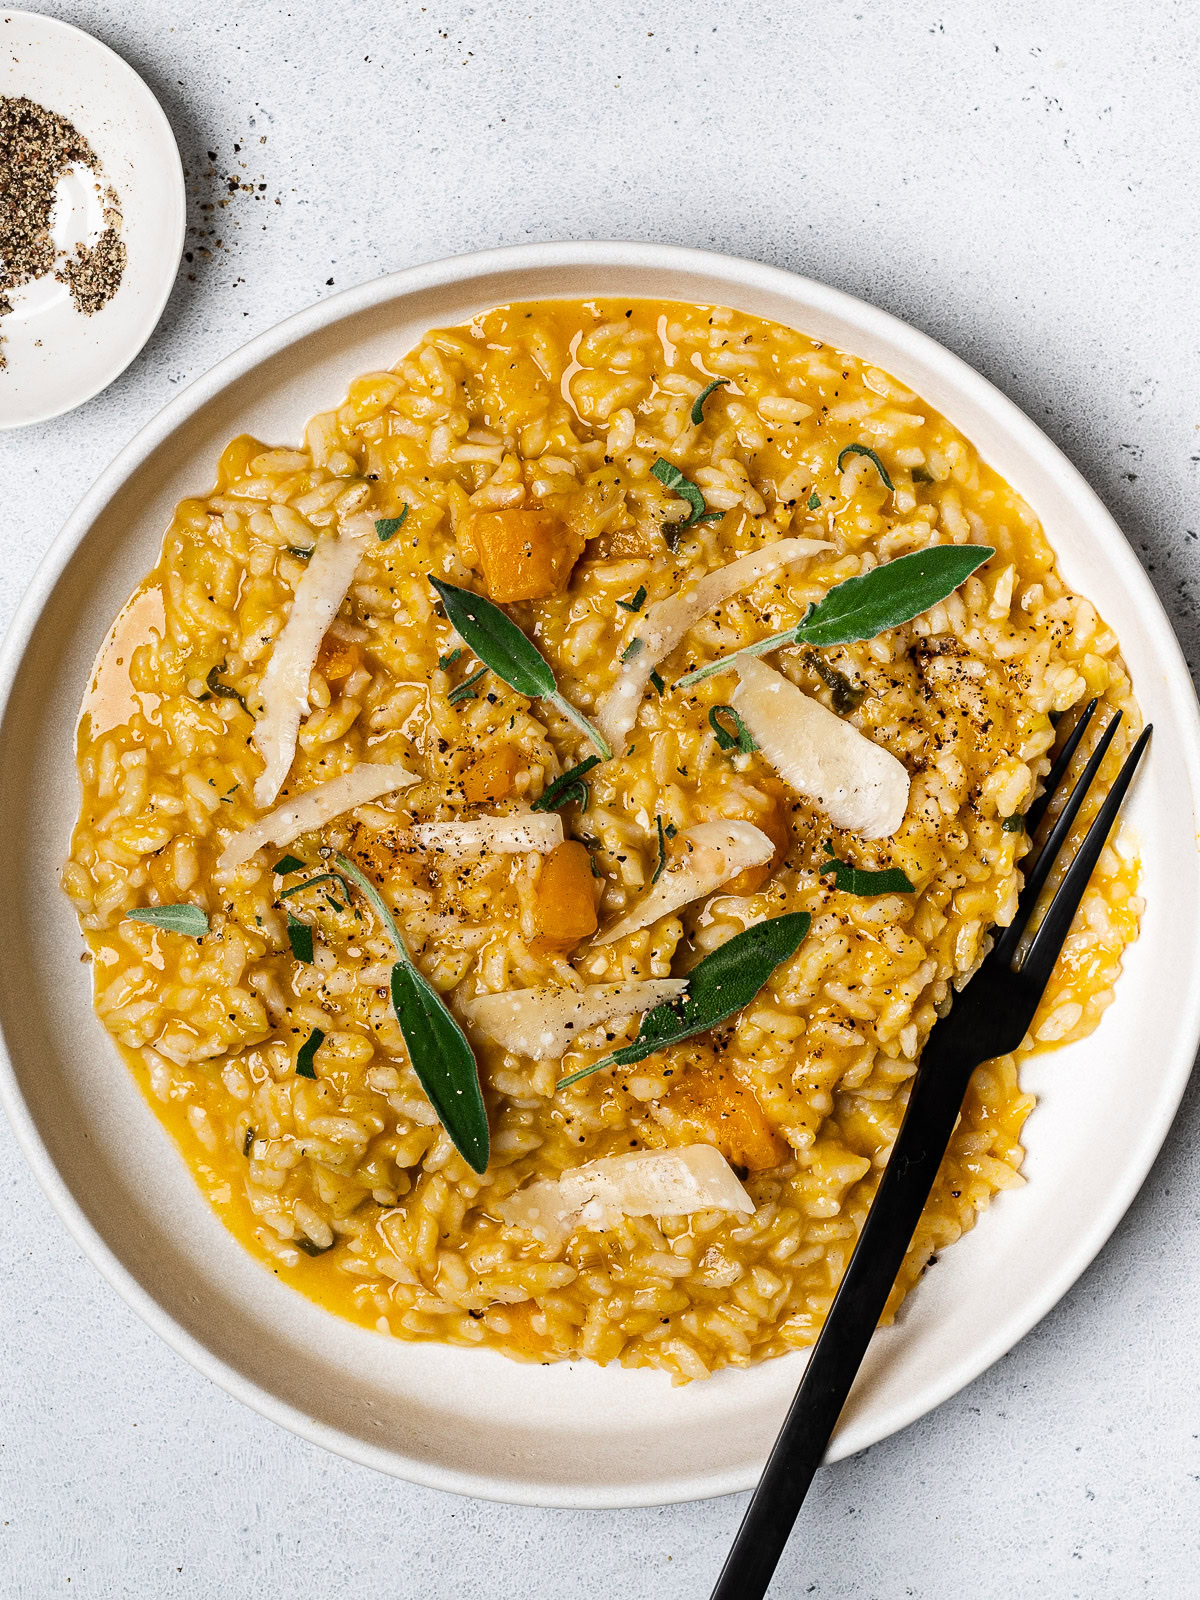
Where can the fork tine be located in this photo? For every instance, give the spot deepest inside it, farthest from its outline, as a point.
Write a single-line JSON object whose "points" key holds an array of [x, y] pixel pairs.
{"points": [[1048, 940], [1035, 877], [1061, 762]]}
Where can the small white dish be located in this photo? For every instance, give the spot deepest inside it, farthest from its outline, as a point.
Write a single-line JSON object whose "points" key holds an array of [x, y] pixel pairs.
{"points": [[57, 357], [471, 1420]]}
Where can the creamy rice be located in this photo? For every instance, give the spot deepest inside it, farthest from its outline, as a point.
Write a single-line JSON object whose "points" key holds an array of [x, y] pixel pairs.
{"points": [[346, 1183]]}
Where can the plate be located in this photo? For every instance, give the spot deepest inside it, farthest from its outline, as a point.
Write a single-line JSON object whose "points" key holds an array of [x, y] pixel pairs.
{"points": [[58, 358], [471, 1420]]}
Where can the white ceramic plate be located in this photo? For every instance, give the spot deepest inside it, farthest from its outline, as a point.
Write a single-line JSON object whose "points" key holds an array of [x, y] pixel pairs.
{"points": [[57, 358], [473, 1421]]}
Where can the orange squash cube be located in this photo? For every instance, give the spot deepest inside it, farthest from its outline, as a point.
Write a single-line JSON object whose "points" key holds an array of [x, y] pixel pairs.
{"points": [[525, 555], [490, 776], [337, 658], [716, 1104], [564, 899]]}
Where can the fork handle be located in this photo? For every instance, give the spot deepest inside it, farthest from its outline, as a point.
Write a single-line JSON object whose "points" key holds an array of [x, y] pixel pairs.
{"points": [[934, 1104]]}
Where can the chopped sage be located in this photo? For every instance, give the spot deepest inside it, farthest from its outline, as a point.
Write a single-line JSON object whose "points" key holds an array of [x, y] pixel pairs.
{"points": [[740, 739], [814, 501], [248, 1142], [286, 864], [300, 937], [388, 527], [860, 881], [300, 553], [566, 789], [225, 690], [638, 601], [306, 1052], [466, 689], [865, 450], [662, 851], [698, 402], [1014, 824], [671, 478]]}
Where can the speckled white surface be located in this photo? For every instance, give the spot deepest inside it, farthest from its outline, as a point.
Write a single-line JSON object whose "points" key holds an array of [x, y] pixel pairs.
{"points": [[1019, 186]]}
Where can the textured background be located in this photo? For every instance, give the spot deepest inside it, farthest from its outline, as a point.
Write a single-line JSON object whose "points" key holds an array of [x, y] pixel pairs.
{"points": [[1019, 186]]}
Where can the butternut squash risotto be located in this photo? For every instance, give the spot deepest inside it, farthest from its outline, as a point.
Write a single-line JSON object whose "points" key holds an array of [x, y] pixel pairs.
{"points": [[499, 987]]}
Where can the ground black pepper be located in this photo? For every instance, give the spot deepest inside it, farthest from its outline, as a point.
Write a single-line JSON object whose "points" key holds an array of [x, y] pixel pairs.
{"points": [[37, 147]]}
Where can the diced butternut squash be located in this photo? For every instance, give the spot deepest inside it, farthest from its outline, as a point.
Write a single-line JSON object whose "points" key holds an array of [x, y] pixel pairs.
{"points": [[776, 823], [525, 555], [337, 658], [564, 899], [491, 775], [716, 1105]]}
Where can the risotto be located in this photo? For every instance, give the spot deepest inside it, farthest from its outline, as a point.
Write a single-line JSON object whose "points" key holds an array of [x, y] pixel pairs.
{"points": [[349, 837]]}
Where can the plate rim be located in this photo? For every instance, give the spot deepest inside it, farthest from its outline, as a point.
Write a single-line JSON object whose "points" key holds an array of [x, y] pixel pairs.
{"points": [[736, 272], [173, 253]]}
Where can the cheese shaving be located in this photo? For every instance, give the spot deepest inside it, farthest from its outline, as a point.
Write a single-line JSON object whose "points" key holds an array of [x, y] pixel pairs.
{"points": [[544, 1023], [504, 835], [284, 686], [314, 807], [665, 625], [707, 855]]}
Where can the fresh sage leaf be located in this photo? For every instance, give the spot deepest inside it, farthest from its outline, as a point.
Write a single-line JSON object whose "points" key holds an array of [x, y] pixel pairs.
{"points": [[388, 527], [869, 604], [723, 983], [814, 501], [570, 786], [864, 883], [186, 919], [662, 851], [449, 658], [638, 601], [443, 1062], [698, 402], [438, 1049], [671, 478], [890, 594], [1014, 824], [300, 937], [740, 739], [501, 645], [306, 1052], [656, 680], [865, 450], [286, 864], [310, 883]]}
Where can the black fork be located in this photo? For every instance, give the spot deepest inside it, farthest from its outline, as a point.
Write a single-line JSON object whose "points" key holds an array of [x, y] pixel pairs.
{"points": [[988, 1018]]}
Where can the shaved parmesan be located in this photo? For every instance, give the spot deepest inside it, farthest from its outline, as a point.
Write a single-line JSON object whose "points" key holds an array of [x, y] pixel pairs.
{"points": [[859, 785], [710, 854], [505, 835], [665, 625], [314, 807], [284, 686], [544, 1023], [643, 1183]]}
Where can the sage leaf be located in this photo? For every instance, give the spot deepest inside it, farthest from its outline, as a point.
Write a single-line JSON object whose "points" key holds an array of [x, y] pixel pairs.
{"points": [[863, 882], [869, 604], [388, 527], [865, 450], [662, 852], [186, 919], [306, 1052], [723, 983], [501, 645], [438, 1049], [698, 402], [466, 689], [567, 788], [443, 1062], [286, 864], [300, 937], [638, 601], [671, 478]]}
